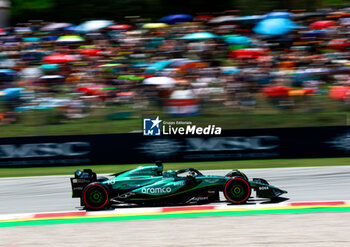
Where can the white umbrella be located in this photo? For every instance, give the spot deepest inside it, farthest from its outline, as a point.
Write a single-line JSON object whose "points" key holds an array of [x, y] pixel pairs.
{"points": [[23, 29], [51, 77], [183, 94], [89, 26], [223, 19], [54, 26], [30, 73], [53, 102], [161, 81], [345, 21]]}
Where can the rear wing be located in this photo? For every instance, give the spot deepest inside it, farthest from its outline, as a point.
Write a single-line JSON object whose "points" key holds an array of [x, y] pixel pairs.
{"points": [[80, 180]]}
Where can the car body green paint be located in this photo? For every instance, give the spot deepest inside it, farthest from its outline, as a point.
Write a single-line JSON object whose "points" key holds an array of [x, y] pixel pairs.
{"points": [[150, 183]]}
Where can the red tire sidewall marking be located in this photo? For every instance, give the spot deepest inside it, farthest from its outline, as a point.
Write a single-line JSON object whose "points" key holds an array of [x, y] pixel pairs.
{"points": [[99, 185], [246, 198]]}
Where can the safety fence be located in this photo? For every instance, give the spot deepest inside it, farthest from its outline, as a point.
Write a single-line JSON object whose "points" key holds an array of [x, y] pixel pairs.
{"points": [[136, 148]]}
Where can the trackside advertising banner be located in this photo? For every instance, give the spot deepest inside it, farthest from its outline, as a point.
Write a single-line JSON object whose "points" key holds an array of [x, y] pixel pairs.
{"points": [[191, 146]]}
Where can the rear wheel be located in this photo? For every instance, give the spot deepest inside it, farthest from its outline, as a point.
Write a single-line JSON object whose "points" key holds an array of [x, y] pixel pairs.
{"points": [[96, 196], [237, 190]]}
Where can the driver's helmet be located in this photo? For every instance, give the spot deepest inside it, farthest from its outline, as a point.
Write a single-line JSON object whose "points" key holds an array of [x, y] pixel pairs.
{"points": [[159, 165], [169, 174]]}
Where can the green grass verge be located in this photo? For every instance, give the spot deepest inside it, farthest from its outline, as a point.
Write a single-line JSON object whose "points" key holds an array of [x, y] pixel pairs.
{"points": [[322, 112], [213, 165], [171, 216]]}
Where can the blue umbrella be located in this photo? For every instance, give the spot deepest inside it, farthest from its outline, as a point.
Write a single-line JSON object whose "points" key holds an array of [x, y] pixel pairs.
{"points": [[274, 26], [200, 35], [8, 72], [32, 55], [30, 39], [154, 67], [231, 70], [173, 19], [72, 28], [313, 34], [140, 65], [50, 66], [50, 38], [237, 40], [279, 14], [7, 75], [33, 107], [11, 93]]}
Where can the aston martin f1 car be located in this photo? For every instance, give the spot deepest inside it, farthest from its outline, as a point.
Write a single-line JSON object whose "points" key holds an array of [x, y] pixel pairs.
{"points": [[149, 185]]}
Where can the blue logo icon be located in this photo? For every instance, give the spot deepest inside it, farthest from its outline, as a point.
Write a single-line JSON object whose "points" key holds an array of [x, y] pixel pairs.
{"points": [[151, 126]]}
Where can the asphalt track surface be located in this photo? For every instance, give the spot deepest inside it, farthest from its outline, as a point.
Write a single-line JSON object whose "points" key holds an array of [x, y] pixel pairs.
{"points": [[53, 193]]}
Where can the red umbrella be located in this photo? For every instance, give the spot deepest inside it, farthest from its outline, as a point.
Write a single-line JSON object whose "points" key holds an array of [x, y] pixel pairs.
{"points": [[97, 90], [339, 44], [90, 52], [59, 58], [120, 26], [339, 92], [90, 90], [191, 65], [125, 94], [203, 17], [279, 92], [322, 24], [309, 90], [2, 31], [247, 53]]}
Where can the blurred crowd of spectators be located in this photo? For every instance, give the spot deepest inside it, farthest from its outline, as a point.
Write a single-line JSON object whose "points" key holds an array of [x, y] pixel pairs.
{"points": [[230, 59]]}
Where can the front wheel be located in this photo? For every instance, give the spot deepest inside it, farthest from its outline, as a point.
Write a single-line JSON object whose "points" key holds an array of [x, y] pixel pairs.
{"points": [[237, 190], [96, 196]]}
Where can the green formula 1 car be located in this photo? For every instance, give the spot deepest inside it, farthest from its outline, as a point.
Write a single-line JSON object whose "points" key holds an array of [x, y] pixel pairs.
{"points": [[149, 185]]}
